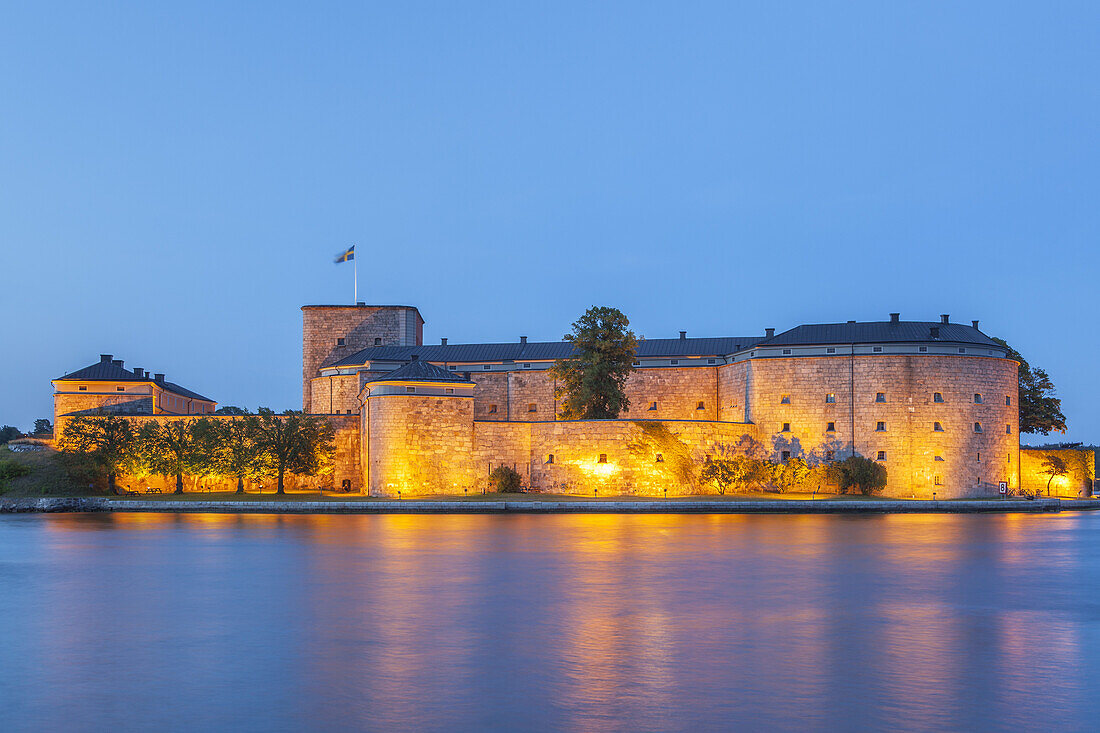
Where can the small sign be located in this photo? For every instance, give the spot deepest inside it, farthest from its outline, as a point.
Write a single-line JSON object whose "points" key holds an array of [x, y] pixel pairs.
{"points": [[1003, 486]]}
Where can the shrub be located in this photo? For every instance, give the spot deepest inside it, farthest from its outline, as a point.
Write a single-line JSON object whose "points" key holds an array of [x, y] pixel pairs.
{"points": [[862, 473], [9, 469], [505, 480]]}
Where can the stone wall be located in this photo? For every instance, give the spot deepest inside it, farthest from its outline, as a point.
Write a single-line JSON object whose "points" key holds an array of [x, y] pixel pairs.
{"points": [[359, 326], [1081, 465], [121, 403]]}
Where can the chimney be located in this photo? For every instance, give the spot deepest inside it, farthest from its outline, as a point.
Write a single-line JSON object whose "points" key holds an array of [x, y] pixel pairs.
{"points": [[769, 332], [934, 332], [944, 318], [443, 342], [975, 323], [683, 335], [895, 317], [117, 362], [139, 372], [105, 358], [158, 378], [361, 302], [523, 339]]}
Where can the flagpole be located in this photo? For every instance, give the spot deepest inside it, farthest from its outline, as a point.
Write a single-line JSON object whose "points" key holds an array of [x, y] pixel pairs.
{"points": [[355, 267]]}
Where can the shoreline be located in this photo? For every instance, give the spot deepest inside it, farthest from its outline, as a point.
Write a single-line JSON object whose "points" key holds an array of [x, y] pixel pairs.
{"points": [[657, 506]]}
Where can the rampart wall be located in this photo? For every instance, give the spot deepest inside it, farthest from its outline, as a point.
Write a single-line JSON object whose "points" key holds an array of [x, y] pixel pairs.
{"points": [[1078, 481]]}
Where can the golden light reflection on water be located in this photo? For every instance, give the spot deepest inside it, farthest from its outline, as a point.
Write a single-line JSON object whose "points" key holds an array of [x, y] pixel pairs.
{"points": [[585, 621]]}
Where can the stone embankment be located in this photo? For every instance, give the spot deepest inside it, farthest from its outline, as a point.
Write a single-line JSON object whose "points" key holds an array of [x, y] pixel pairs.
{"points": [[822, 506]]}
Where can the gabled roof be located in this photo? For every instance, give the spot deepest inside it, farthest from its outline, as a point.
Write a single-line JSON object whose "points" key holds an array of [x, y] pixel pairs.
{"points": [[879, 332], [543, 350], [112, 370], [420, 371]]}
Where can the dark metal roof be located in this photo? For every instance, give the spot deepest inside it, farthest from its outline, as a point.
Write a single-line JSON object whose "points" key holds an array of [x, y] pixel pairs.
{"points": [[420, 371], [543, 350], [107, 370], [878, 332]]}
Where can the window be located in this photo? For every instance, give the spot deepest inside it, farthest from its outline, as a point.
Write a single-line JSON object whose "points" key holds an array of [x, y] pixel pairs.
{"points": [[830, 455], [830, 398], [453, 367], [340, 342], [962, 350], [880, 397], [830, 427], [532, 407], [752, 353], [786, 352], [492, 409], [700, 406], [830, 350], [410, 390], [603, 458], [660, 458], [937, 397], [979, 456], [786, 428], [486, 367], [881, 455], [938, 458], [712, 361], [637, 363], [1008, 429], [785, 399], [922, 349], [120, 389], [449, 390], [937, 427], [378, 342], [674, 362], [785, 456], [880, 427], [877, 349], [937, 481], [652, 406], [977, 427], [82, 389], [549, 457], [977, 398], [526, 366], [1008, 400]]}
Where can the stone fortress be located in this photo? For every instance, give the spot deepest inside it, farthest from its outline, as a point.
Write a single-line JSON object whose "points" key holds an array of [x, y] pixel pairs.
{"points": [[935, 402]]}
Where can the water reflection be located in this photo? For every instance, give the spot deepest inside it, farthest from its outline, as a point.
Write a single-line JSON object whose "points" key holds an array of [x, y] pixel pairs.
{"points": [[589, 622]]}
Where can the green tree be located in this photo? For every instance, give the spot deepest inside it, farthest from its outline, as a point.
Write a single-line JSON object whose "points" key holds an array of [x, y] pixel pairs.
{"points": [[108, 441], [790, 474], [505, 480], [42, 425], [721, 472], [293, 442], [233, 447], [8, 433], [592, 383], [1053, 466], [172, 448], [655, 439], [231, 410], [1040, 410], [862, 473]]}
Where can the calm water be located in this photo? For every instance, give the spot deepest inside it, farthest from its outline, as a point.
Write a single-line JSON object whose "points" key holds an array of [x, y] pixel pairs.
{"points": [[583, 623]]}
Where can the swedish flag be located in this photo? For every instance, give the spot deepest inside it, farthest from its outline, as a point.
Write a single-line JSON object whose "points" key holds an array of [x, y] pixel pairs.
{"points": [[346, 255]]}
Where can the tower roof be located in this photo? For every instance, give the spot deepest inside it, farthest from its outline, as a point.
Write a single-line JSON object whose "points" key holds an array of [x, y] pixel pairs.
{"points": [[420, 371]]}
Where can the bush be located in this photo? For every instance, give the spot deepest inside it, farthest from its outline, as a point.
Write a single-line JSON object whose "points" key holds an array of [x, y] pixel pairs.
{"points": [[9, 469], [862, 473], [505, 480]]}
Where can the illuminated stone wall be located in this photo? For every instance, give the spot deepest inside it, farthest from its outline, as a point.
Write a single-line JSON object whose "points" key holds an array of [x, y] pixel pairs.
{"points": [[359, 326], [131, 403], [418, 444], [1081, 465], [970, 463], [339, 394]]}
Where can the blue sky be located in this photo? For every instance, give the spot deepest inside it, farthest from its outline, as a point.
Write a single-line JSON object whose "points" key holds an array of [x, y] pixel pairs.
{"points": [[175, 179]]}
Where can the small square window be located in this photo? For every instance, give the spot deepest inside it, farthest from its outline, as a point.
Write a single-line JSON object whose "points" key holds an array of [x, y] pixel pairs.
{"points": [[652, 406], [785, 399], [660, 458], [486, 367], [526, 366], [410, 390], [880, 397], [962, 350], [674, 362], [120, 389], [637, 363], [785, 456], [830, 427], [977, 398], [830, 350], [549, 457], [880, 427], [82, 389], [532, 407], [876, 349], [492, 409], [1008, 429], [786, 428], [938, 458], [453, 367], [712, 361], [881, 455], [830, 398], [786, 352], [937, 397], [603, 458], [450, 390], [700, 405], [977, 427], [340, 342], [922, 349], [378, 342], [937, 427]]}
